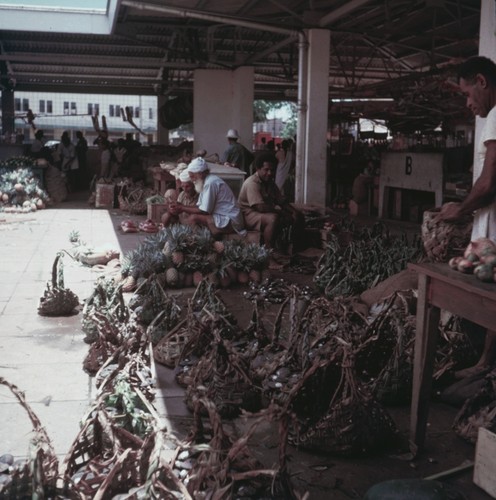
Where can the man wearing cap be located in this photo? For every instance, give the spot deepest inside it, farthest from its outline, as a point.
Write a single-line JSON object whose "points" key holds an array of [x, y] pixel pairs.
{"points": [[236, 155], [217, 207], [188, 196]]}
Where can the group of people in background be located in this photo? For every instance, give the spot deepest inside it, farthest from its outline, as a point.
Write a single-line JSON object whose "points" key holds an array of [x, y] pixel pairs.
{"points": [[71, 157], [207, 200]]}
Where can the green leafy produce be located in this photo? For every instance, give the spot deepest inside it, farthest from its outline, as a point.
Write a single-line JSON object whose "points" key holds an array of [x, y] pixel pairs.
{"points": [[372, 256]]}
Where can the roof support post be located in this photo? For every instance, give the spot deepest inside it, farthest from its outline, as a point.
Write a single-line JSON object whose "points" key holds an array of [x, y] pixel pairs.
{"points": [[302, 118], [311, 176]]}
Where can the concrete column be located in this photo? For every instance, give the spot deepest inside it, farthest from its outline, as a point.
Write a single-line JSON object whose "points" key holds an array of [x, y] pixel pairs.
{"points": [[487, 48], [8, 111], [222, 100], [162, 132], [312, 188]]}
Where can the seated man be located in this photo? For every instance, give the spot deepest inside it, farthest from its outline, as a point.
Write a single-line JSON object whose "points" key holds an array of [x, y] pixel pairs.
{"points": [[236, 155], [217, 207], [263, 206], [188, 196]]}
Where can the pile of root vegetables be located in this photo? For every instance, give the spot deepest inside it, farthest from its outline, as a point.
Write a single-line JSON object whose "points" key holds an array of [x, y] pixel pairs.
{"points": [[479, 259]]}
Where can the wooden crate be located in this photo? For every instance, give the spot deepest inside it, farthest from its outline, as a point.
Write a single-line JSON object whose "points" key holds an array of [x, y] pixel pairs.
{"points": [[163, 180], [485, 462], [154, 211], [105, 195]]}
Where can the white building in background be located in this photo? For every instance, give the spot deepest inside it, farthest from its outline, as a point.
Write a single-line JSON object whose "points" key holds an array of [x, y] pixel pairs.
{"points": [[55, 113]]}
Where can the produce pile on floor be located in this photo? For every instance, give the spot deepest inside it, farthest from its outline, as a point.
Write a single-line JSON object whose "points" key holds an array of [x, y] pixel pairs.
{"points": [[314, 366], [20, 189], [182, 257]]}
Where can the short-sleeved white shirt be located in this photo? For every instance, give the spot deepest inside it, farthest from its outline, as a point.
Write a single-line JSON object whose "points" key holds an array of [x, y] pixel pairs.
{"points": [[218, 200]]}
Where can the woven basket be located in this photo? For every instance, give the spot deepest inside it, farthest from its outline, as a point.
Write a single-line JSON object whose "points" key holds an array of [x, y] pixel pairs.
{"points": [[102, 461], [443, 240], [478, 411], [57, 300], [168, 350], [37, 477], [355, 424], [136, 200]]}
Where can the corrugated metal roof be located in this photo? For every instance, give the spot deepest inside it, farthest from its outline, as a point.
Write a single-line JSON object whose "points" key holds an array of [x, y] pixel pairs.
{"points": [[404, 49]]}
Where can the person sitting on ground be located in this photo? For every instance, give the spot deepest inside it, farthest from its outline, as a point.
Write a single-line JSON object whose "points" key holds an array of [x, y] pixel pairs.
{"points": [[265, 209], [188, 197], [236, 155], [217, 207]]}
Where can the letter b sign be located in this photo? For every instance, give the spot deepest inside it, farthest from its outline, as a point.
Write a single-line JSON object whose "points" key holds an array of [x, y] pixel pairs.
{"points": [[408, 165]]}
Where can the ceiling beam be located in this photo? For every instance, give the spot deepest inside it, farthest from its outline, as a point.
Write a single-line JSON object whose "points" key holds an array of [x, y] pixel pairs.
{"points": [[95, 61], [187, 13], [342, 11]]}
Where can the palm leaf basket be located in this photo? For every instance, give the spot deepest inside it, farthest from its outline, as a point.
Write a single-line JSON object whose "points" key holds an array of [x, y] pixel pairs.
{"points": [[223, 376], [443, 240], [478, 411], [215, 464], [57, 300], [135, 200], [355, 424], [104, 460], [384, 360], [37, 477]]}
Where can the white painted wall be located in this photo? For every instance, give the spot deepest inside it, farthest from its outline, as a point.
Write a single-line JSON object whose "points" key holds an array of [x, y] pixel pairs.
{"points": [[222, 100]]}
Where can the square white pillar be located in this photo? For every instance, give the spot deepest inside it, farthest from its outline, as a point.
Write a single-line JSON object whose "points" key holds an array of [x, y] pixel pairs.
{"points": [[222, 100], [314, 179]]}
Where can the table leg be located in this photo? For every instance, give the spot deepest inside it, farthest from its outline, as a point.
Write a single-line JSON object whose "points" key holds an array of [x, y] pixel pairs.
{"points": [[423, 366]]}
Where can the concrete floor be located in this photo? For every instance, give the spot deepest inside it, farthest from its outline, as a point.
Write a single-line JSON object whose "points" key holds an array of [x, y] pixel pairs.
{"points": [[43, 357]]}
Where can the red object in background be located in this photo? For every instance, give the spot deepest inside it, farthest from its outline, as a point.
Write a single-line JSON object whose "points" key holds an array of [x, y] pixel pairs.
{"points": [[257, 139]]}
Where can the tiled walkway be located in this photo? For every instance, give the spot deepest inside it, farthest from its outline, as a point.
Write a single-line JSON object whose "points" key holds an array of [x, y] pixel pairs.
{"points": [[43, 356]]}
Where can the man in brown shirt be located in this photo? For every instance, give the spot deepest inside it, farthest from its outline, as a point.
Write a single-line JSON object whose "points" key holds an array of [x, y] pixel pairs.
{"points": [[264, 207]]}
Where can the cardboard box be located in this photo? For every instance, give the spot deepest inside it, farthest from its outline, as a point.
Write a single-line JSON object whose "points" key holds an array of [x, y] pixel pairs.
{"points": [[485, 461], [154, 211], [105, 195]]}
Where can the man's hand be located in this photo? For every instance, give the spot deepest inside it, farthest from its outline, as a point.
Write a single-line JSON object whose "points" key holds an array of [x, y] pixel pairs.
{"points": [[175, 208], [450, 212]]}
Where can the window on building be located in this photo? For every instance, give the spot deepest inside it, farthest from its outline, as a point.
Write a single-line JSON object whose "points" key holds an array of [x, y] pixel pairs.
{"points": [[117, 110], [136, 112], [25, 104], [73, 108], [17, 104], [111, 110], [150, 113], [93, 109], [49, 107], [42, 106], [66, 107]]}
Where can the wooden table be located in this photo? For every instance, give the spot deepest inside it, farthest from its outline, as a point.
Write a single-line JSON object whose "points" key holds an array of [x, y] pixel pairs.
{"points": [[440, 287]]}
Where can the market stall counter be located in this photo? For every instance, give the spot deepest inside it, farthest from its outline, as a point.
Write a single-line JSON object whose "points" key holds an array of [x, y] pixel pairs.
{"points": [[440, 287]]}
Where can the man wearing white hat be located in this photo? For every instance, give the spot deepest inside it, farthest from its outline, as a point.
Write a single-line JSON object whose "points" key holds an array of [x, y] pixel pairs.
{"points": [[236, 155], [217, 207], [188, 197]]}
